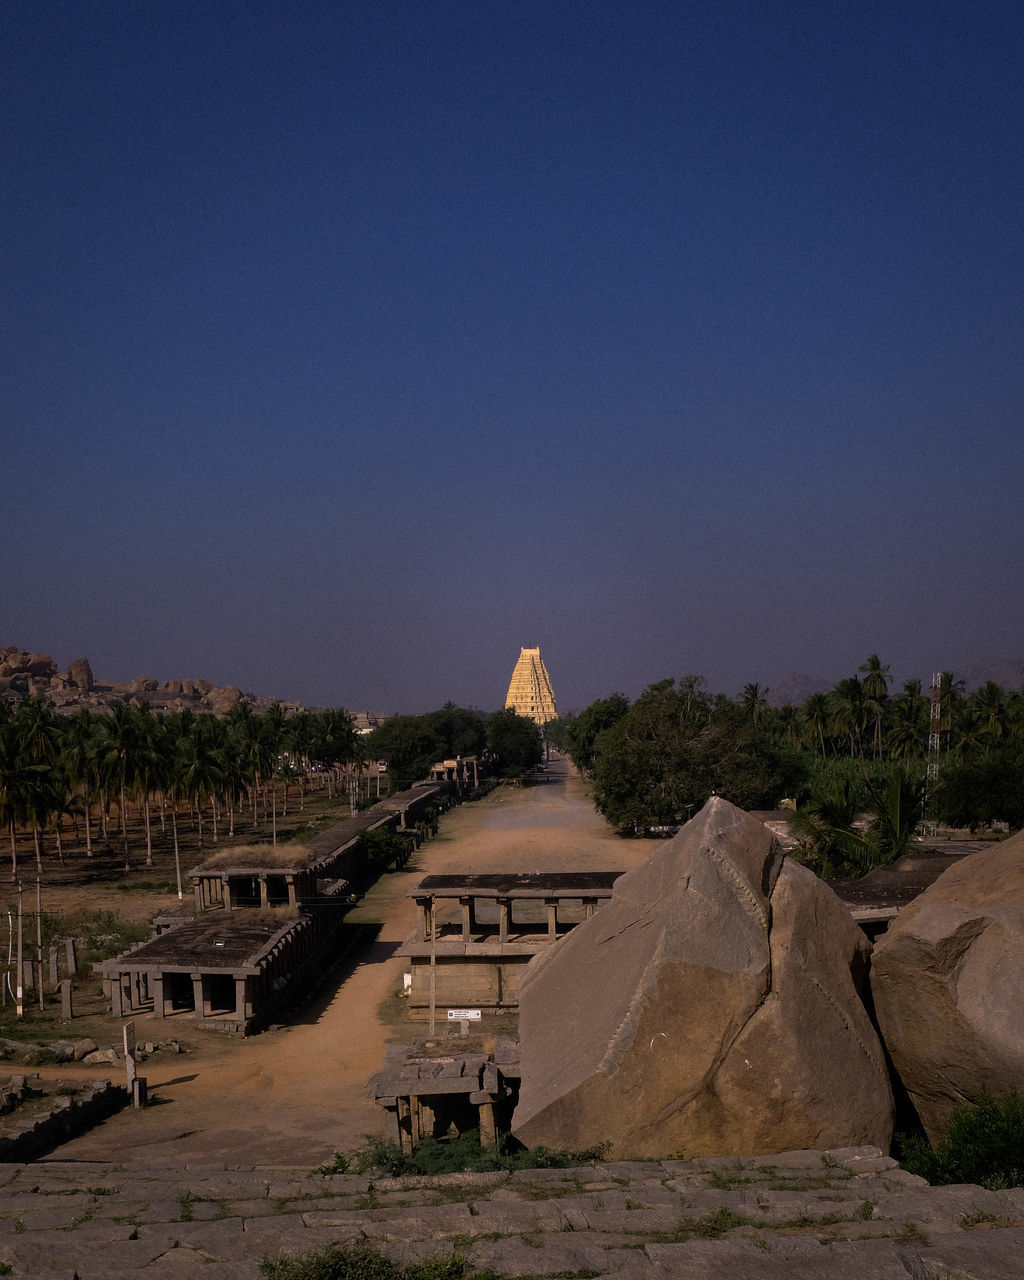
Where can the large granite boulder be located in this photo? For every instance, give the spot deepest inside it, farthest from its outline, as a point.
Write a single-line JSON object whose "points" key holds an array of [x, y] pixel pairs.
{"points": [[710, 1008], [948, 984], [80, 673]]}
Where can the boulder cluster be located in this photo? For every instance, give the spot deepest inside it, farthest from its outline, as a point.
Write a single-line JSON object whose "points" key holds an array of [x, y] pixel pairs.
{"points": [[720, 1004], [26, 675]]}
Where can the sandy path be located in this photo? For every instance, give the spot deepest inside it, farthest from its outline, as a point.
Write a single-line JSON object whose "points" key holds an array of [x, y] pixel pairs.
{"points": [[296, 1095]]}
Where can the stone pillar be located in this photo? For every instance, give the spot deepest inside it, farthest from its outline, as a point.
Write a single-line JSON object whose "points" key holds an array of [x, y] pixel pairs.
{"points": [[293, 901], [54, 975], [403, 1118], [468, 919], [589, 907], [264, 893], [200, 896], [552, 906], [199, 996], [488, 1133], [71, 955], [504, 918], [116, 995], [426, 906], [159, 1005], [415, 1119], [228, 900], [243, 999], [66, 1010]]}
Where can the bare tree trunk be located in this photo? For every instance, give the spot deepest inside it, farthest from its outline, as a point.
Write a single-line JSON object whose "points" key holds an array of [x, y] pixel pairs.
{"points": [[149, 834]]}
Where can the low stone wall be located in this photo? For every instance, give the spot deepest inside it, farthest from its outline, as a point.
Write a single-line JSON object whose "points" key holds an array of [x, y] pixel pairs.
{"points": [[28, 1134], [849, 1214]]}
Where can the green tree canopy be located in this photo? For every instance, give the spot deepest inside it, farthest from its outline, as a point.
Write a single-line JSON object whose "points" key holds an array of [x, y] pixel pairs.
{"points": [[673, 748]]}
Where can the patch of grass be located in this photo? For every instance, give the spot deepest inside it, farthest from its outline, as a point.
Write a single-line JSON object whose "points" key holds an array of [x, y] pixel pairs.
{"points": [[720, 1181], [360, 1262], [984, 1144], [910, 1233], [717, 1223], [185, 1206], [867, 1209], [981, 1219]]}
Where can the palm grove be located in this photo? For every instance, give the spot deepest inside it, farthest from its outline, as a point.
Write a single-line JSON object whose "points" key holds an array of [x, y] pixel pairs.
{"points": [[122, 779], [853, 759]]}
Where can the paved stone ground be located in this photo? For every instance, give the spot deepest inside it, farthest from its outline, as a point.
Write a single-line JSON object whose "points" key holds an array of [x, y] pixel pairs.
{"points": [[801, 1215]]}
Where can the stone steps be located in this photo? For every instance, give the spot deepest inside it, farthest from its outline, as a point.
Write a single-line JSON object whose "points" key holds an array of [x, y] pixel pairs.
{"points": [[846, 1213]]}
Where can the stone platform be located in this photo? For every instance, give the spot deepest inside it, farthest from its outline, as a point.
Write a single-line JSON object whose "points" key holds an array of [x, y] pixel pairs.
{"points": [[849, 1214]]}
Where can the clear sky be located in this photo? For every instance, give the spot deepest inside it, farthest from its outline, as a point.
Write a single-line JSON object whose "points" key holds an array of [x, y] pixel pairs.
{"points": [[349, 345]]}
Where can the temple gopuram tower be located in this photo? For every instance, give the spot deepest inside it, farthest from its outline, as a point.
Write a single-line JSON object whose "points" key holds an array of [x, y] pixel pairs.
{"points": [[529, 690]]}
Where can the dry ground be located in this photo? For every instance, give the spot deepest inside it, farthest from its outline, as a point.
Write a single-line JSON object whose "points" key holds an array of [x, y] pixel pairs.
{"points": [[297, 1094]]}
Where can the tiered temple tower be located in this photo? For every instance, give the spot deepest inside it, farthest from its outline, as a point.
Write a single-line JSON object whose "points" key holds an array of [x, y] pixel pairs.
{"points": [[529, 691]]}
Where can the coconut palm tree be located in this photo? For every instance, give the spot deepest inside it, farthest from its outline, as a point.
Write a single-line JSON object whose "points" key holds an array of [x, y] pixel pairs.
{"points": [[846, 702], [754, 701], [817, 715], [875, 687]]}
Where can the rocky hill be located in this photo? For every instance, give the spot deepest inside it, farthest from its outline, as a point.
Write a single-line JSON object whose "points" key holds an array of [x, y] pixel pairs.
{"points": [[25, 675]]}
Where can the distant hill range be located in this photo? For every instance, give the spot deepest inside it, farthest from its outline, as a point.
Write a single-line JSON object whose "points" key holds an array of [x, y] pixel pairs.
{"points": [[25, 675], [798, 686]]}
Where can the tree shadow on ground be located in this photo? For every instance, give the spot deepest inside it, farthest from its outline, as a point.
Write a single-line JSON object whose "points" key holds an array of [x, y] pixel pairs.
{"points": [[363, 949]]}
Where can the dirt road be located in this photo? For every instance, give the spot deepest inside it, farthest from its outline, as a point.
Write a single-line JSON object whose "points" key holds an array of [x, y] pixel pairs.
{"points": [[296, 1095]]}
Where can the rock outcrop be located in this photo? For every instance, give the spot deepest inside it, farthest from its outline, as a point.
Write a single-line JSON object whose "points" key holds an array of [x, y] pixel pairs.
{"points": [[710, 1008], [24, 675], [948, 985]]}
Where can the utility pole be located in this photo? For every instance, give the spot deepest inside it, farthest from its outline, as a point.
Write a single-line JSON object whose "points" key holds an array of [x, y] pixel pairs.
{"points": [[19, 998], [39, 940], [934, 746]]}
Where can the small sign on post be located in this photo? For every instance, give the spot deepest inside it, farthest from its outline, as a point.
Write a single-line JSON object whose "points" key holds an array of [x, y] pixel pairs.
{"points": [[463, 1015], [129, 1055]]}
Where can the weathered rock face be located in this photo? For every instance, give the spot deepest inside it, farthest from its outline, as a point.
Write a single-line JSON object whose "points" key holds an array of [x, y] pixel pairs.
{"points": [[711, 1007], [948, 984]]}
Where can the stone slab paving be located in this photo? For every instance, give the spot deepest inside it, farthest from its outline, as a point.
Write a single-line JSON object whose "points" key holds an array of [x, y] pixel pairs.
{"points": [[804, 1215]]}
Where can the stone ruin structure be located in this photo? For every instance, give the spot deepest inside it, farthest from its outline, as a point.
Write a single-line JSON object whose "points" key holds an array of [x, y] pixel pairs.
{"points": [[711, 1007], [268, 924], [948, 985], [432, 1088], [529, 691], [504, 921]]}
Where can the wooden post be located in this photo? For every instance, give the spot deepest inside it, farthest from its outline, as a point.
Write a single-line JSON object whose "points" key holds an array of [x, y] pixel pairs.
{"points": [[129, 1054]]}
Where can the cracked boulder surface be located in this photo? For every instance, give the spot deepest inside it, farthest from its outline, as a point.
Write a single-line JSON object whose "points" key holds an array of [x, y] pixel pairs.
{"points": [[712, 1006], [948, 984]]}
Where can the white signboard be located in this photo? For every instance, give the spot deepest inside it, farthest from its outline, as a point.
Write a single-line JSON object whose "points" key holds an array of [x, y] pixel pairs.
{"points": [[457, 1015]]}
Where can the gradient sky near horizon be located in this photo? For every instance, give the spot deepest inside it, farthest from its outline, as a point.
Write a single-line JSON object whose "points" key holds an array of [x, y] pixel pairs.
{"points": [[348, 346]]}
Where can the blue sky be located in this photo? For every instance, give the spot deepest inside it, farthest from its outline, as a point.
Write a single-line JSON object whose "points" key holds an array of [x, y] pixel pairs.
{"points": [[347, 347]]}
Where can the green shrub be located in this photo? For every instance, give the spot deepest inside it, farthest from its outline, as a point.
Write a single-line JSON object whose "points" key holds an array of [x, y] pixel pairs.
{"points": [[455, 1155], [984, 1144], [102, 934]]}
